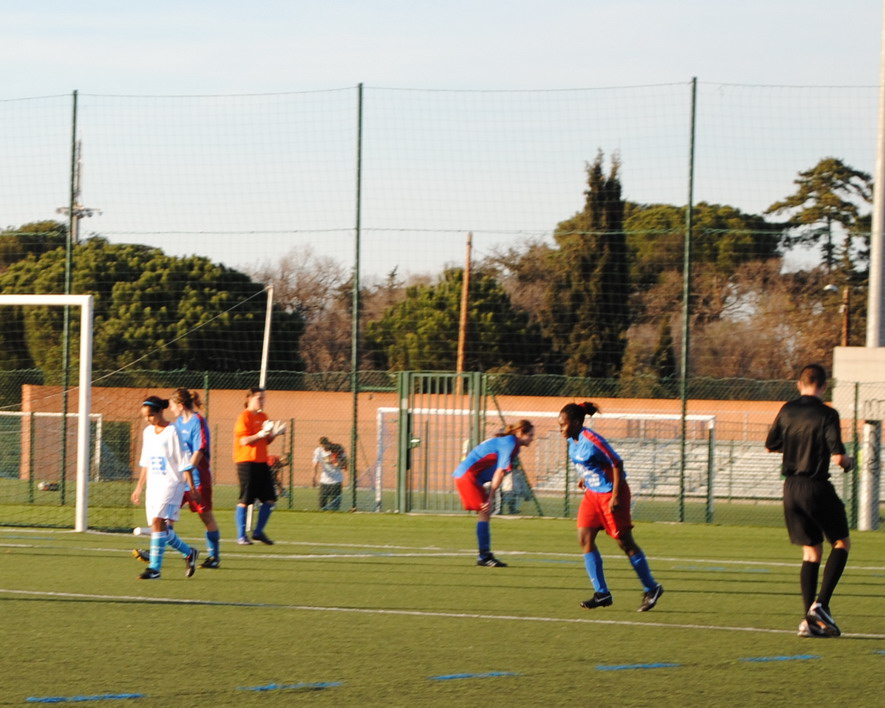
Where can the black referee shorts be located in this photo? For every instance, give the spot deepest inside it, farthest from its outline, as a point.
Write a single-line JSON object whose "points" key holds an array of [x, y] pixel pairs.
{"points": [[813, 510], [256, 482]]}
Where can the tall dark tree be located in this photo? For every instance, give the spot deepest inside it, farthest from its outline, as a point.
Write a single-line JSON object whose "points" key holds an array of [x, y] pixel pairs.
{"points": [[724, 237], [826, 196], [421, 331], [589, 290], [152, 311], [35, 239]]}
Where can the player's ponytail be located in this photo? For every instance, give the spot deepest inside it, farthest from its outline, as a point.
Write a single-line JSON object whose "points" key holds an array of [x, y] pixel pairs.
{"points": [[188, 399], [520, 426], [578, 411]]}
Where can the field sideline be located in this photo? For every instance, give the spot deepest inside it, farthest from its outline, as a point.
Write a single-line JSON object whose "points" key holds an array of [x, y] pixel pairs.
{"points": [[384, 609]]}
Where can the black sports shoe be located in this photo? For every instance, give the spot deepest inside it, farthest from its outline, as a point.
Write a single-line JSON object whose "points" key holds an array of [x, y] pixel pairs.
{"points": [[191, 562], [211, 562], [650, 599], [810, 629], [490, 562], [141, 555], [820, 616], [150, 574], [599, 599], [259, 536]]}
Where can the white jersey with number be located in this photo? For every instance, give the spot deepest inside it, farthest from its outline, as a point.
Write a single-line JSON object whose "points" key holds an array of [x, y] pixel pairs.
{"points": [[161, 454]]}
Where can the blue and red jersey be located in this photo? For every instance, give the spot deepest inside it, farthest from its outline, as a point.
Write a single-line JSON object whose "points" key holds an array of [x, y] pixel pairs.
{"points": [[194, 435], [595, 460], [490, 455]]}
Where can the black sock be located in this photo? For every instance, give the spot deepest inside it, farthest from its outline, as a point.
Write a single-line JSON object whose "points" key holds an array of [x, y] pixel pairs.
{"points": [[808, 582], [832, 572]]}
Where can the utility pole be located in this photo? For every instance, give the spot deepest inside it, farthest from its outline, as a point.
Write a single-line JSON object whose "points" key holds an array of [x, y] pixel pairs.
{"points": [[76, 211], [465, 302]]}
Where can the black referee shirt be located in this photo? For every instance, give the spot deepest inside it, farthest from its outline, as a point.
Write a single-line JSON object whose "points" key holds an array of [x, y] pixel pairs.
{"points": [[807, 432]]}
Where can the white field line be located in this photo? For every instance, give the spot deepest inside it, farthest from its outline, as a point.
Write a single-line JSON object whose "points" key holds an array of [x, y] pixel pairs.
{"points": [[390, 551], [408, 613]]}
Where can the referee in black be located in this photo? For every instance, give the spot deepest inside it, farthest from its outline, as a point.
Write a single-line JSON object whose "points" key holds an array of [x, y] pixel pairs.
{"points": [[807, 432]]}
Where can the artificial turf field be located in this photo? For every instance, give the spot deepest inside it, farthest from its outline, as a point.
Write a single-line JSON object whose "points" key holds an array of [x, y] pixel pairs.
{"points": [[386, 609]]}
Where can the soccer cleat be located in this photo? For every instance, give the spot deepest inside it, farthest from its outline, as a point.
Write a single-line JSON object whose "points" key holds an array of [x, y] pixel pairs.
{"points": [[191, 562], [650, 599], [599, 599], [259, 536], [141, 555], [490, 561], [820, 616], [809, 629], [150, 574], [211, 562], [244, 541]]}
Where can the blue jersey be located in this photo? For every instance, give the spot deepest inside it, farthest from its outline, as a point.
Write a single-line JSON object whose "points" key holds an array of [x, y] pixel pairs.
{"points": [[194, 435], [594, 459], [490, 455]]}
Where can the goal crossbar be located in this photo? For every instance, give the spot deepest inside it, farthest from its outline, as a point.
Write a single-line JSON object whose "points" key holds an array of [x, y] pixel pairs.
{"points": [[84, 399]]}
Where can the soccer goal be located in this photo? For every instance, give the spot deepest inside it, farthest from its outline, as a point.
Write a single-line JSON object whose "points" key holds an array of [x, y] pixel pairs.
{"points": [[84, 390], [659, 468]]}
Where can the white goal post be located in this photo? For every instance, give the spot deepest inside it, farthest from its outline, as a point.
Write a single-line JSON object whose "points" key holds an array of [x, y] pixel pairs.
{"points": [[84, 399], [548, 451]]}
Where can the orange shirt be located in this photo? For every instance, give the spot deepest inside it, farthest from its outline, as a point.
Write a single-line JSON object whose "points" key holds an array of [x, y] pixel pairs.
{"points": [[249, 423]]}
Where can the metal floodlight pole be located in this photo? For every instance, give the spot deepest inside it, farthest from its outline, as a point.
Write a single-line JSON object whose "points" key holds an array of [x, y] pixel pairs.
{"points": [[66, 316], [686, 297], [355, 308], [875, 303]]}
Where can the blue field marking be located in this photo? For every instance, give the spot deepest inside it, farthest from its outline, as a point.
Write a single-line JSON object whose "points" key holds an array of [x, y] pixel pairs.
{"points": [[83, 699], [795, 657], [627, 667], [719, 569], [490, 674], [314, 686]]}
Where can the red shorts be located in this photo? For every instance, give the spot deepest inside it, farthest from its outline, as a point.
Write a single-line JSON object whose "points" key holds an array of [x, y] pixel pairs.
{"points": [[205, 490], [595, 512], [473, 496]]}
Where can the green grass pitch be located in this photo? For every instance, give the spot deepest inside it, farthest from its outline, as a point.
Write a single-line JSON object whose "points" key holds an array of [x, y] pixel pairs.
{"points": [[371, 609]]}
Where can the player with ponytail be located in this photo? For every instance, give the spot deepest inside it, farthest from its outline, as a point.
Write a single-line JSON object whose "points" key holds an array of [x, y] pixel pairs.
{"points": [[487, 463], [194, 433], [606, 505]]}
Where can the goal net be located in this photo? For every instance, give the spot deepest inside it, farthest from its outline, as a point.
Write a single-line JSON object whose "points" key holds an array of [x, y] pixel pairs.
{"points": [[650, 444]]}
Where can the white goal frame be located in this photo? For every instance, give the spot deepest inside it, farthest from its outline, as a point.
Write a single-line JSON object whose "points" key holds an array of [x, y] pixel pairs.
{"points": [[385, 414], [84, 399]]}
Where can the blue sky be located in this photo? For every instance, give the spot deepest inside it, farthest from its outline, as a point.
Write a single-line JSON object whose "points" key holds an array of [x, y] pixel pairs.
{"points": [[177, 174], [173, 47]]}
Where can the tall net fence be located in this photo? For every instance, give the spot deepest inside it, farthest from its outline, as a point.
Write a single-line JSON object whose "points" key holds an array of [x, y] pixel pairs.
{"points": [[558, 218], [727, 476]]}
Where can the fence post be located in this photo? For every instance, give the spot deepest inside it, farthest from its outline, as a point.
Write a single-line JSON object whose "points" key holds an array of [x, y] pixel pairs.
{"points": [[31, 451], [851, 481], [403, 390], [868, 516], [711, 468]]}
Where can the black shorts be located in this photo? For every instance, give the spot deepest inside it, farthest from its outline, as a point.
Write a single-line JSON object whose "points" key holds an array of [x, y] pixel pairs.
{"points": [[813, 510], [256, 482]]}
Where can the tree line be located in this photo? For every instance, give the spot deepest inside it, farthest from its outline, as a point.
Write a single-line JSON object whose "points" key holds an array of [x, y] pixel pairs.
{"points": [[602, 299]]}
